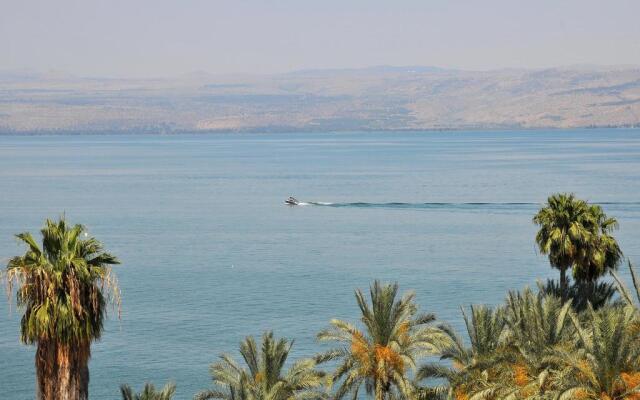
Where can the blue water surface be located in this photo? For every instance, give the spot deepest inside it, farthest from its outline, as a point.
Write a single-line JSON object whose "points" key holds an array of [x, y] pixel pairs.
{"points": [[211, 254]]}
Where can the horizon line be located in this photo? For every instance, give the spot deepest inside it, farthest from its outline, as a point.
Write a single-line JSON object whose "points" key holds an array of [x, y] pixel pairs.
{"points": [[28, 73]]}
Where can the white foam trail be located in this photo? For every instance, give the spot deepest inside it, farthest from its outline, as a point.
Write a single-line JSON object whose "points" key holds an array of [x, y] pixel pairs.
{"points": [[322, 203]]}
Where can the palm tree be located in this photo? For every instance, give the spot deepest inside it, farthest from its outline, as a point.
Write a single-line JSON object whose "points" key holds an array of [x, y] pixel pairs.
{"points": [[536, 324], [472, 367], [602, 253], [380, 357], [509, 346], [606, 365], [265, 378], [149, 392], [563, 235], [63, 287]]}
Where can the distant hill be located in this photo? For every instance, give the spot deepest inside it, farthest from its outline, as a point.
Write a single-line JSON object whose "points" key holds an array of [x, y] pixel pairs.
{"points": [[376, 98]]}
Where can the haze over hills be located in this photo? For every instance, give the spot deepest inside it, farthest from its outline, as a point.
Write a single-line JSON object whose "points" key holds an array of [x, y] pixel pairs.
{"points": [[376, 98]]}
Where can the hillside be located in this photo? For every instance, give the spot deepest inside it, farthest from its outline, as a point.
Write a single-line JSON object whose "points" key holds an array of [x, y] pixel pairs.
{"points": [[377, 98]]}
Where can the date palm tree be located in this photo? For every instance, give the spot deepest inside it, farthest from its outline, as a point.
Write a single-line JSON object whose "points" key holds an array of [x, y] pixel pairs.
{"points": [[381, 356], [63, 285], [265, 377], [149, 392], [472, 367], [509, 349], [536, 324], [563, 235], [606, 364]]}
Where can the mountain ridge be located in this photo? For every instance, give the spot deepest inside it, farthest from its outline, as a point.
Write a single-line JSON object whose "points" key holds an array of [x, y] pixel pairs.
{"points": [[373, 98]]}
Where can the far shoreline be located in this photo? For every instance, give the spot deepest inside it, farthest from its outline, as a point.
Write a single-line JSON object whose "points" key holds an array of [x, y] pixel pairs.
{"points": [[259, 131]]}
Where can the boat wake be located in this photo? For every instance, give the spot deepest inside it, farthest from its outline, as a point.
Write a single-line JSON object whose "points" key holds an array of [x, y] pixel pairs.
{"points": [[448, 205], [419, 205]]}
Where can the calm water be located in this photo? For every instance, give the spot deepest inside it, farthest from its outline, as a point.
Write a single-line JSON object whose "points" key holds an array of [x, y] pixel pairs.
{"points": [[210, 253]]}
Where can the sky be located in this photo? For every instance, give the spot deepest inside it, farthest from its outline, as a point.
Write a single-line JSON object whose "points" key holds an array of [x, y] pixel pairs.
{"points": [[155, 38]]}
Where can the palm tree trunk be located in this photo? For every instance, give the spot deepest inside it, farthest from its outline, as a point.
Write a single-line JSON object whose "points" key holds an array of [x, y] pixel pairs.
{"points": [[563, 283], [62, 371], [378, 390], [591, 290]]}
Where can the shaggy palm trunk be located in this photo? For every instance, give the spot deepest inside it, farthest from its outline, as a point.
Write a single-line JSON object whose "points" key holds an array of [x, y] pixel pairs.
{"points": [[591, 291], [62, 371], [378, 393], [381, 389], [563, 283]]}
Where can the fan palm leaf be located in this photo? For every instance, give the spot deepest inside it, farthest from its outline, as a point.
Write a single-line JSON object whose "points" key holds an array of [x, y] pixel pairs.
{"points": [[563, 235]]}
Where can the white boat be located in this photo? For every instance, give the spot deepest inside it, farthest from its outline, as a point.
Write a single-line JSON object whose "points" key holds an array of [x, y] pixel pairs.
{"points": [[292, 201]]}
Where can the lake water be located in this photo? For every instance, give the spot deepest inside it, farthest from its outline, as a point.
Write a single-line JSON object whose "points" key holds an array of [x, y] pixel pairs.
{"points": [[211, 254]]}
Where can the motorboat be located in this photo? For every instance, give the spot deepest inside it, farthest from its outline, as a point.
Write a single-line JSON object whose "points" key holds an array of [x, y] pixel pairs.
{"points": [[292, 201]]}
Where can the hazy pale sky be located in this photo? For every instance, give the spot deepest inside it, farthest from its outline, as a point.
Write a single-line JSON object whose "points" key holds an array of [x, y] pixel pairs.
{"points": [[160, 38]]}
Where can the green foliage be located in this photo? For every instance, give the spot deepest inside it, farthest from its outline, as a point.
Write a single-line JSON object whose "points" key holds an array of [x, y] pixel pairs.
{"points": [[380, 357], [562, 235], [508, 348], [625, 293], [62, 285], [575, 234], [265, 377], [536, 323], [470, 366], [149, 392], [606, 360], [538, 347], [603, 253], [583, 294]]}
